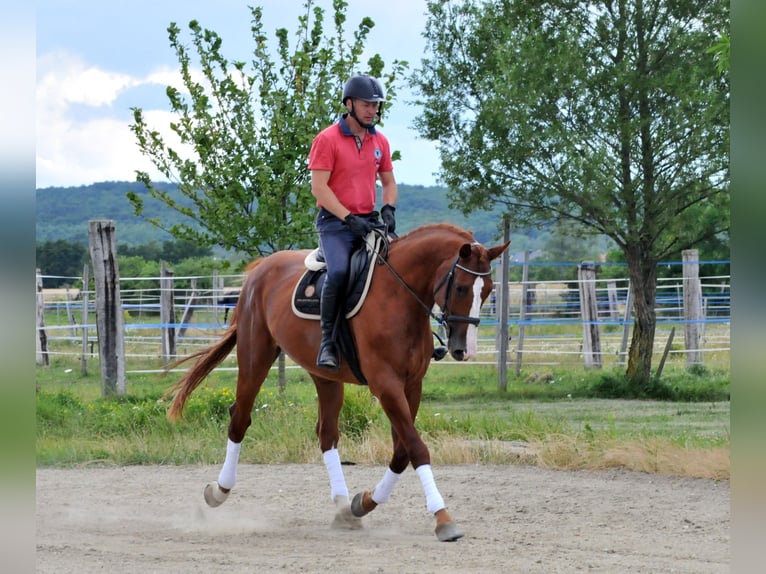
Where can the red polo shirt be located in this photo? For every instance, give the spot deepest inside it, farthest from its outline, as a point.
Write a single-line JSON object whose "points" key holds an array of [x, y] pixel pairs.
{"points": [[353, 171]]}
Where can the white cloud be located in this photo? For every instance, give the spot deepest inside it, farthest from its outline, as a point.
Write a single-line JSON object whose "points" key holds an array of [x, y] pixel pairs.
{"points": [[65, 79], [92, 143], [83, 138]]}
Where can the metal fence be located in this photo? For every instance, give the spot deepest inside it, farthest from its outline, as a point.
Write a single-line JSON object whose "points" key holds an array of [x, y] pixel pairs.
{"points": [[549, 317]]}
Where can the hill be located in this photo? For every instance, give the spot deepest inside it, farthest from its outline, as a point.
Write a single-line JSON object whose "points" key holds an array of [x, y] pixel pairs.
{"points": [[63, 213]]}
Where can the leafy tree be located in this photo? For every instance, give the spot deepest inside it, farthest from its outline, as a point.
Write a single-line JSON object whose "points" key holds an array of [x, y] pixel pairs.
{"points": [[148, 251], [137, 273], [175, 251], [608, 113], [61, 258], [246, 130], [564, 244], [721, 52]]}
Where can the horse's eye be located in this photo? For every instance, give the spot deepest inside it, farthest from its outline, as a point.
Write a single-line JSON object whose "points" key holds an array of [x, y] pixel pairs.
{"points": [[461, 291]]}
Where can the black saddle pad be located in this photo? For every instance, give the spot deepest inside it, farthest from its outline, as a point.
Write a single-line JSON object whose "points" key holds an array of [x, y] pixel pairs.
{"points": [[307, 292]]}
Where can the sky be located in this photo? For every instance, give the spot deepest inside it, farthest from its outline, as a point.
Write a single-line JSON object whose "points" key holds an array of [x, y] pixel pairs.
{"points": [[96, 59]]}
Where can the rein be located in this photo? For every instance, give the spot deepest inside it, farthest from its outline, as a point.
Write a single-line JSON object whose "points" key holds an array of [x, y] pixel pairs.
{"points": [[445, 318]]}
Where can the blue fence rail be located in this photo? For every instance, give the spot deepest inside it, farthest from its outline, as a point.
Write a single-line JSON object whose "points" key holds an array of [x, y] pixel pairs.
{"points": [[552, 320]]}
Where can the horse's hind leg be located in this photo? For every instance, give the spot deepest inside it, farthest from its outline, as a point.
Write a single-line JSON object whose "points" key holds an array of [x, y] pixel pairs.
{"points": [[250, 377], [330, 395]]}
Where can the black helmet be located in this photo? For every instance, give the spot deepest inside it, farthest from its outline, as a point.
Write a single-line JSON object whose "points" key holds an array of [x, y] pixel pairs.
{"points": [[363, 87]]}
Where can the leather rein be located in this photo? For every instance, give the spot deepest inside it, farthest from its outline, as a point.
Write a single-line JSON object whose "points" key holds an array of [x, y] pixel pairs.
{"points": [[444, 318]]}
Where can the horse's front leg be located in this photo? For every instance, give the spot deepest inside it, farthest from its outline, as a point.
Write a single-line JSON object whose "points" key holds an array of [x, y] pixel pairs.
{"points": [[401, 411], [330, 395], [365, 502]]}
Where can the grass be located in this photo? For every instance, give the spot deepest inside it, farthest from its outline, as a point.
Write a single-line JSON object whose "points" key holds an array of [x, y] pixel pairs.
{"points": [[546, 417]]}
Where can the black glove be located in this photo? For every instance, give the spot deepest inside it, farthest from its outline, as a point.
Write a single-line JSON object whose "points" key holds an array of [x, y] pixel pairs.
{"points": [[387, 213], [358, 225]]}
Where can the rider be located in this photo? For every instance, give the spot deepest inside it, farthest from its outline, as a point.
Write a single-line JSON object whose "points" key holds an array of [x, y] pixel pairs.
{"points": [[345, 160]]}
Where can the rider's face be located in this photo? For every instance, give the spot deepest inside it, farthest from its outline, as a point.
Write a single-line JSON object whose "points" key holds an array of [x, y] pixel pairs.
{"points": [[366, 111]]}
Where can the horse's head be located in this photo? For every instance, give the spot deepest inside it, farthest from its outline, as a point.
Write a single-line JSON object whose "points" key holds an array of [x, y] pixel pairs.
{"points": [[460, 294]]}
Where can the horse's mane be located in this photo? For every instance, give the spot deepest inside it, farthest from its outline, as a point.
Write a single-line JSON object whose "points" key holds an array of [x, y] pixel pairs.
{"points": [[432, 227]]}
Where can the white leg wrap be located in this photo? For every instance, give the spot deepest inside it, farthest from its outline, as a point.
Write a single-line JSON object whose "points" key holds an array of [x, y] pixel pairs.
{"points": [[434, 500], [337, 481], [228, 475], [382, 491]]}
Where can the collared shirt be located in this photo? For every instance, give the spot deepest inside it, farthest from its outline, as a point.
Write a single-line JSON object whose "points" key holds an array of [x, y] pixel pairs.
{"points": [[353, 168]]}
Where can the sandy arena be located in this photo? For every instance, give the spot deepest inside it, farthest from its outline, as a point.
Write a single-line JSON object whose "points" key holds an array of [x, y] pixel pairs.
{"points": [[152, 519]]}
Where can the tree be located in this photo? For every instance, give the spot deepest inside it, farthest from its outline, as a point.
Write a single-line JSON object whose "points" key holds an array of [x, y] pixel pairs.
{"points": [[245, 134], [607, 113], [62, 259], [721, 52]]}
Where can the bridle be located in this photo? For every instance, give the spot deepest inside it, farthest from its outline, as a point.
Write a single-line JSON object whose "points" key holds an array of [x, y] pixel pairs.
{"points": [[445, 318]]}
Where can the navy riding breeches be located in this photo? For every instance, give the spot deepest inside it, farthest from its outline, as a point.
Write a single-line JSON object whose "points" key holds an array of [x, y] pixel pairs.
{"points": [[337, 242]]}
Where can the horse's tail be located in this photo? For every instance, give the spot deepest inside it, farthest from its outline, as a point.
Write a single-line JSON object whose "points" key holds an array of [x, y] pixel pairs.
{"points": [[206, 360]]}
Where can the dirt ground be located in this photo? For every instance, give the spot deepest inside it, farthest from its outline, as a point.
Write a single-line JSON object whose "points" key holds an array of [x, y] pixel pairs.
{"points": [[152, 519]]}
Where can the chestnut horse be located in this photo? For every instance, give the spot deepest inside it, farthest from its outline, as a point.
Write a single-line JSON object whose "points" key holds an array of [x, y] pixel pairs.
{"points": [[434, 264]]}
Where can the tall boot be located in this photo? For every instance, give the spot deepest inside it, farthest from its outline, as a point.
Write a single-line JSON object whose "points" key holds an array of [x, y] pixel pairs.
{"points": [[328, 313]]}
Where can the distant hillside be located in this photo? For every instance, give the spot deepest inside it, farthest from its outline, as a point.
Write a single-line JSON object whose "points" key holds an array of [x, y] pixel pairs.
{"points": [[64, 212]]}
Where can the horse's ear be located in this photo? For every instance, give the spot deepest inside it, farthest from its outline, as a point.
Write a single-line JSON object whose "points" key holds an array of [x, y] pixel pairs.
{"points": [[494, 252], [465, 251]]}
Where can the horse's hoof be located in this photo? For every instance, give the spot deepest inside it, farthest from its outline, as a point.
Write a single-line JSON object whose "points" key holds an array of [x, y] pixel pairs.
{"points": [[356, 505], [344, 516], [214, 496], [448, 532]]}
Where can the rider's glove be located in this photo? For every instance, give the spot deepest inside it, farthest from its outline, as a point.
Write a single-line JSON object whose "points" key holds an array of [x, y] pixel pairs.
{"points": [[358, 225], [387, 214]]}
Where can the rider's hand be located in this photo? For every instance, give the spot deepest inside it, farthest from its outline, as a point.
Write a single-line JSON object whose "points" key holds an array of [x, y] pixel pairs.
{"points": [[387, 214], [358, 225]]}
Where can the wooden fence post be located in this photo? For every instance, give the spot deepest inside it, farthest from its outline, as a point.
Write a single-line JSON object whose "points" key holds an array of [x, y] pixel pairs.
{"points": [[217, 292], [611, 290], [109, 319], [189, 309], [522, 311], [41, 340], [84, 331], [70, 314], [501, 298], [167, 314], [693, 312], [626, 325], [591, 343]]}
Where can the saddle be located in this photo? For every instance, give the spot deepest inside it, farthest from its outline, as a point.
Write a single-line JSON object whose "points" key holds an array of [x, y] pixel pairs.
{"points": [[308, 290]]}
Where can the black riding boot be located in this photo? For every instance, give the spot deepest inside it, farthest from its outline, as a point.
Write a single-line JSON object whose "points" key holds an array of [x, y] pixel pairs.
{"points": [[328, 312]]}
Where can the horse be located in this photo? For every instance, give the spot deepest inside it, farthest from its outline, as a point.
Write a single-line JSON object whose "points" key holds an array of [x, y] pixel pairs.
{"points": [[433, 265]]}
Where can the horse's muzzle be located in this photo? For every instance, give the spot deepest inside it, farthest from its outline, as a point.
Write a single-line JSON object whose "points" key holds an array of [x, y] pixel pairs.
{"points": [[458, 355]]}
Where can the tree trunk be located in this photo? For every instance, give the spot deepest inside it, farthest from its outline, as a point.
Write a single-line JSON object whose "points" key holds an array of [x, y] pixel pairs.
{"points": [[643, 283]]}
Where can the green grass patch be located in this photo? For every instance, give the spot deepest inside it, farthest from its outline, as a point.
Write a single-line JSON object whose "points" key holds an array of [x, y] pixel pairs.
{"points": [[565, 418]]}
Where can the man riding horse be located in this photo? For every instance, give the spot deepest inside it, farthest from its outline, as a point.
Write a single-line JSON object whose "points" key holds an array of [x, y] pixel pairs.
{"points": [[345, 160]]}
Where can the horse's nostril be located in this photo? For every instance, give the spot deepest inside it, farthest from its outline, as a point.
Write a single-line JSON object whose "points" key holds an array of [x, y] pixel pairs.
{"points": [[458, 355]]}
